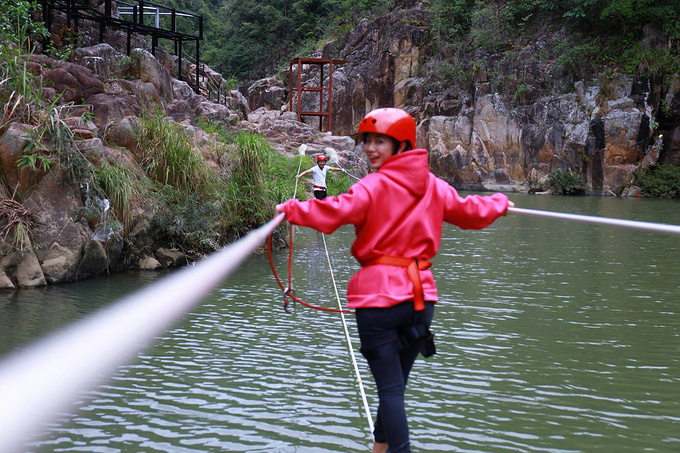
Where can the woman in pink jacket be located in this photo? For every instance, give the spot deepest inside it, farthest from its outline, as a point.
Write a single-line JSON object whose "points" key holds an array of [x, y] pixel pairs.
{"points": [[397, 213]]}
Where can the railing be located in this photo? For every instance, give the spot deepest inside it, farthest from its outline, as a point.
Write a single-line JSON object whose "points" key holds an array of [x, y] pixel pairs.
{"points": [[165, 22], [43, 381], [159, 12], [208, 84]]}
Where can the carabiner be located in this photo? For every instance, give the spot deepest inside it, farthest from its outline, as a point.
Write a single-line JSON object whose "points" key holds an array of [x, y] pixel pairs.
{"points": [[286, 303]]}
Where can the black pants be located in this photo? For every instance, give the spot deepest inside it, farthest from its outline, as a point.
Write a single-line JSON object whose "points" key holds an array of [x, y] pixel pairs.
{"points": [[391, 349], [320, 194]]}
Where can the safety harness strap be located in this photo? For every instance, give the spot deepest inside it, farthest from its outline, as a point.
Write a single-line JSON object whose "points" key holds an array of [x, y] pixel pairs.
{"points": [[413, 266]]}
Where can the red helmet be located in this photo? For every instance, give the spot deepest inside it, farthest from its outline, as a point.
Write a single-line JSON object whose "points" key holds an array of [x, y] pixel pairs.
{"points": [[321, 158], [392, 122]]}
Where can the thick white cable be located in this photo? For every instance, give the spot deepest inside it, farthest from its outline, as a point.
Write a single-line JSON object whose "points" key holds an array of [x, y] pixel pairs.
{"points": [[349, 342], [334, 158], [646, 226], [348, 174], [46, 379]]}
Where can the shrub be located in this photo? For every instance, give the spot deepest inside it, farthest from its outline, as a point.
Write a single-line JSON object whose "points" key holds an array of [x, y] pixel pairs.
{"points": [[661, 180], [122, 187], [566, 183]]}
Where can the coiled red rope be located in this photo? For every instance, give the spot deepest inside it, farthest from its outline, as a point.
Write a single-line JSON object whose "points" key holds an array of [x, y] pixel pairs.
{"points": [[289, 292]]}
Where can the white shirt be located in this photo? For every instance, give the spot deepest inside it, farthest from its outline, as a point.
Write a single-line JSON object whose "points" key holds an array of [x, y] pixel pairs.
{"points": [[319, 177]]}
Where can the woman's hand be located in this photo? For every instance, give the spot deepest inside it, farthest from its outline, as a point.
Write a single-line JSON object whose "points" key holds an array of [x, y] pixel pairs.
{"points": [[510, 205]]}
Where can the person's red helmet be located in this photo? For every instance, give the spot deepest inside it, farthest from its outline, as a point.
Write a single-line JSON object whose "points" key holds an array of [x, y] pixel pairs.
{"points": [[395, 123], [321, 158]]}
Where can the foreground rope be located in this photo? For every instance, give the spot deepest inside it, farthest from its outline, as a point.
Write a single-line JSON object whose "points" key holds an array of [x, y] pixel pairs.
{"points": [[42, 382]]}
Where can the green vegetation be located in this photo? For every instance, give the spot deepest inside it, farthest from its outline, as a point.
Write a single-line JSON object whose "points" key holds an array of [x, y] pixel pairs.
{"points": [[17, 29], [204, 210], [566, 183], [661, 181], [250, 39], [597, 34], [18, 94], [197, 208], [167, 155], [123, 187]]}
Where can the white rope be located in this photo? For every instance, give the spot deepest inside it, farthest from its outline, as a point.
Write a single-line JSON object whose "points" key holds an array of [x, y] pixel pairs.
{"points": [[342, 315], [646, 226], [349, 342], [348, 174], [43, 381], [334, 158]]}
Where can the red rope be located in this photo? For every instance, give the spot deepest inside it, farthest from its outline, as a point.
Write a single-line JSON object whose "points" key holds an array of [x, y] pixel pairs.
{"points": [[288, 292]]}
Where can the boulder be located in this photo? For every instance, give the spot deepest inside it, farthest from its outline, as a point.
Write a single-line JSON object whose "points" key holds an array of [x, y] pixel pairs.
{"points": [[103, 60], [269, 93], [149, 70], [170, 258], [63, 237], [29, 274], [13, 143], [76, 83], [149, 263]]}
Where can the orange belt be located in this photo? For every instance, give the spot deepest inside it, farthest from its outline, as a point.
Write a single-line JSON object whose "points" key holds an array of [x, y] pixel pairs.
{"points": [[412, 265], [319, 187]]}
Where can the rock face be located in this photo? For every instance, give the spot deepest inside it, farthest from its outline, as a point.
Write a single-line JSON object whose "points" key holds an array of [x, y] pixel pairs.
{"points": [[482, 140]]}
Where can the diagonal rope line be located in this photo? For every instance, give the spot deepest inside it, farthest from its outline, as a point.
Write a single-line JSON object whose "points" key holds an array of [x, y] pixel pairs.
{"points": [[634, 224], [340, 309], [349, 341]]}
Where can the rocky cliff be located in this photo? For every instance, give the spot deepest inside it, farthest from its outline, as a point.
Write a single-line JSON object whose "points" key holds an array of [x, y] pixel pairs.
{"points": [[602, 130]]}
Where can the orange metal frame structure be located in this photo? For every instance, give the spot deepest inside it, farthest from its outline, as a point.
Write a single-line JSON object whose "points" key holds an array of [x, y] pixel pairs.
{"points": [[296, 90]]}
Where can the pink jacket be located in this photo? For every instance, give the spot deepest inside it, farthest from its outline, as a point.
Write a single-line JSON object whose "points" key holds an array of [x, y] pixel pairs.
{"points": [[398, 210]]}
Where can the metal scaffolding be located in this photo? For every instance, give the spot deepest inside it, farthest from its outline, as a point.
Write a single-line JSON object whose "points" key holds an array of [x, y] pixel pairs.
{"points": [[296, 89], [130, 16]]}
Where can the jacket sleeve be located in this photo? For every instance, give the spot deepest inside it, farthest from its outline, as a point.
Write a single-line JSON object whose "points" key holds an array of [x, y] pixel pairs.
{"points": [[473, 211], [329, 214]]}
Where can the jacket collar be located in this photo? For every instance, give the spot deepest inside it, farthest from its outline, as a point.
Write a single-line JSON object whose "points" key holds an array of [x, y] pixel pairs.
{"points": [[409, 169]]}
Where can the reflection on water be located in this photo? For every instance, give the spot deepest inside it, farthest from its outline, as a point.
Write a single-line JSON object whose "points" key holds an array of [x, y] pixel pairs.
{"points": [[551, 336]]}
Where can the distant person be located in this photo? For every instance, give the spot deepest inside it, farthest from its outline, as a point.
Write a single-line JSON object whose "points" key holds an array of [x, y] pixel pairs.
{"points": [[398, 213], [319, 172]]}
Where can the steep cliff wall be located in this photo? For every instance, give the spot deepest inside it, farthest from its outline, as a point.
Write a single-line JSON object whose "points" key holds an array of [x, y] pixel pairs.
{"points": [[492, 133]]}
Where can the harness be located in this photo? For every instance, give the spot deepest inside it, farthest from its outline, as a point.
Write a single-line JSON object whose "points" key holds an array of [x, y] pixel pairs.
{"points": [[412, 265], [418, 331]]}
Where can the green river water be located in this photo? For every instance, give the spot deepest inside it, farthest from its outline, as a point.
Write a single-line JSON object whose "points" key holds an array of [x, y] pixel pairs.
{"points": [[552, 336]]}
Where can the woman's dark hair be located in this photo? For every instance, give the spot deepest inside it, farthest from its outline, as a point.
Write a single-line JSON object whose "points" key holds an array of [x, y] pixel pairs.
{"points": [[397, 143]]}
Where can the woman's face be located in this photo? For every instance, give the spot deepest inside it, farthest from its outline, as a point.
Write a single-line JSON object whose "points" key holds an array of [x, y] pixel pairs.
{"points": [[379, 148]]}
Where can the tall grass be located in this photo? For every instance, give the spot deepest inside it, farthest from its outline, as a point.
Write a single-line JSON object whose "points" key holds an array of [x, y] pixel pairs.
{"points": [[168, 156], [251, 192], [124, 189]]}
